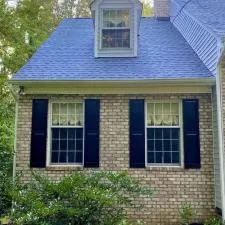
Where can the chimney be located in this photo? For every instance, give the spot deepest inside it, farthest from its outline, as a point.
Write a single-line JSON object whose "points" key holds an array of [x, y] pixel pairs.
{"points": [[161, 8]]}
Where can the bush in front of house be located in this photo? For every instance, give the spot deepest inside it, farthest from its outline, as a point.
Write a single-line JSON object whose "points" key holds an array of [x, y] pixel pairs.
{"points": [[96, 198], [5, 198]]}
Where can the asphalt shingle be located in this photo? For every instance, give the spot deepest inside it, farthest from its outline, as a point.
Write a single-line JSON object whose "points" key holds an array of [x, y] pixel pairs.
{"points": [[68, 54]]}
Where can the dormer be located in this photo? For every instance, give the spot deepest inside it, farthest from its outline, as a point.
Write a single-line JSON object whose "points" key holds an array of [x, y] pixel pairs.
{"points": [[116, 25]]}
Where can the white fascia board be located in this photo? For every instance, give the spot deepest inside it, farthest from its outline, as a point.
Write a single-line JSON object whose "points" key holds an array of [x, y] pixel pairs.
{"points": [[167, 82]]}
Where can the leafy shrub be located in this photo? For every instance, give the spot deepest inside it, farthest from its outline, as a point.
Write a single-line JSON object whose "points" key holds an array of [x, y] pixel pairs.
{"points": [[5, 198], [186, 214], [214, 221], [95, 198]]}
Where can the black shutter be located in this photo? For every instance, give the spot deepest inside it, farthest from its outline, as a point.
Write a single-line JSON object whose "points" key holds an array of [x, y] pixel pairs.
{"points": [[91, 139], [191, 134], [137, 133], [39, 133]]}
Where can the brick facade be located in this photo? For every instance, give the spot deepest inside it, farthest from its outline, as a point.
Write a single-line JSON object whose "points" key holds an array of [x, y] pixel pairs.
{"points": [[161, 8], [173, 186]]}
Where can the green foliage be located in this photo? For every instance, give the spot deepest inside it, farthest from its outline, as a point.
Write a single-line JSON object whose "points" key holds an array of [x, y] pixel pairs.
{"points": [[147, 9], [5, 198], [96, 198], [186, 214], [214, 221], [6, 144]]}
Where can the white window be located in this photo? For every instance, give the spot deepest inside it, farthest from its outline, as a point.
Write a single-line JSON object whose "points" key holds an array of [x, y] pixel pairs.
{"points": [[163, 133], [66, 143], [116, 28]]}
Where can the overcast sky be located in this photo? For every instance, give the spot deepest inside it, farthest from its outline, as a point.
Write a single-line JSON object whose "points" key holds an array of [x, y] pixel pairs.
{"points": [[13, 2]]}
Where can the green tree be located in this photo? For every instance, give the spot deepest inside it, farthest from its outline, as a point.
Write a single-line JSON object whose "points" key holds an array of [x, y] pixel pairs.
{"points": [[73, 9], [147, 9], [33, 21]]}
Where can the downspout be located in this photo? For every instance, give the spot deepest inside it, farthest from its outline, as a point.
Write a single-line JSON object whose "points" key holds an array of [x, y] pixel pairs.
{"points": [[220, 115]]}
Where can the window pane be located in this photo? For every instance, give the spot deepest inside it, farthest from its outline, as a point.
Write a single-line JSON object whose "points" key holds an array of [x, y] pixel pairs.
{"points": [[71, 145], [158, 145], [175, 157], [63, 120], [55, 157], [159, 157], [151, 133], [166, 133], [167, 145], [72, 120], [55, 133], [116, 38], [175, 108], [55, 120], [55, 108], [164, 145], [175, 133], [63, 108], [62, 157], [166, 108], [175, 146], [158, 133], [55, 145], [158, 109], [175, 120], [151, 158], [79, 133], [68, 147], [63, 133], [71, 157], [71, 108], [150, 114], [167, 157], [71, 133], [151, 147], [167, 120], [63, 145], [116, 18]]}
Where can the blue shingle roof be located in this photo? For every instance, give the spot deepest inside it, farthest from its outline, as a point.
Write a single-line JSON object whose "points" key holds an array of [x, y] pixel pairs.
{"points": [[211, 13], [69, 55]]}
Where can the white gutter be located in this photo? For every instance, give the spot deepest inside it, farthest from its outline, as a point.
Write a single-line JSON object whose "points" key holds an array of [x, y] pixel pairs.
{"points": [[220, 115], [185, 81]]}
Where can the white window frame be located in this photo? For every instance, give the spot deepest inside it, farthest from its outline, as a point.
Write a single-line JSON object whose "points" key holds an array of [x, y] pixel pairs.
{"points": [[181, 164], [102, 28], [49, 135]]}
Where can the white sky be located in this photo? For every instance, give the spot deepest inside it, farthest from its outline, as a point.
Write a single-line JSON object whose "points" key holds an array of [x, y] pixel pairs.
{"points": [[13, 2]]}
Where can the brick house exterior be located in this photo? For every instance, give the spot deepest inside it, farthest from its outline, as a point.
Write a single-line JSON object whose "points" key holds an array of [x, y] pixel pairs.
{"points": [[192, 182]]}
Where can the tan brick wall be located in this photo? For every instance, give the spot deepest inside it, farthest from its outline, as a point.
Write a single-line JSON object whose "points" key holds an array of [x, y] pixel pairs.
{"points": [[161, 8], [173, 186]]}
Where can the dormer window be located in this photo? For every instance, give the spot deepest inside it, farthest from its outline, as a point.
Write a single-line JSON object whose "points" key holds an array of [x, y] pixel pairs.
{"points": [[116, 28]]}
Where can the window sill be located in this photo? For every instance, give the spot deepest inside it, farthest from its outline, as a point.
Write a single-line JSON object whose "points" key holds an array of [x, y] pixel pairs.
{"points": [[164, 168], [65, 167]]}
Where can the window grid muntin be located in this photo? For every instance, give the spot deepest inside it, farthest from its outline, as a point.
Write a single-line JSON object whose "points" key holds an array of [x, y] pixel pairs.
{"points": [[168, 114], [162, 127], [77, 116], [67, 127], [116, 29]]}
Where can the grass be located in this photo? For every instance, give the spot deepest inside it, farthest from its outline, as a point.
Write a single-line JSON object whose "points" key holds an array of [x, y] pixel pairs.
{"points": [[4, 220]]}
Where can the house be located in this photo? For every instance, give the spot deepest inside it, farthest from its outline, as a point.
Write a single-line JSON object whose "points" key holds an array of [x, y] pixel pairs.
{"points": [[123, 93]]}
